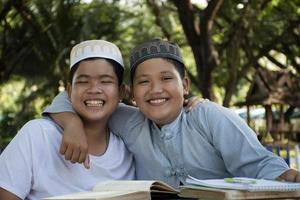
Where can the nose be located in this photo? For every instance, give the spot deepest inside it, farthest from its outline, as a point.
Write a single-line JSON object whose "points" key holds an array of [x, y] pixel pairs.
{"points": [[156, 87], [95, 87]]}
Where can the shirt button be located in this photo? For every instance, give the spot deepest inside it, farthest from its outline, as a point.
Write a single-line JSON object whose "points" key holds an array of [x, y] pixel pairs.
{"points": [[168, 137], [170, 172], [173, 173]]}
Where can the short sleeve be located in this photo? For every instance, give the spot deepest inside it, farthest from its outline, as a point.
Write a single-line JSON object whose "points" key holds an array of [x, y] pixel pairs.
{"points": [[16, 170]]}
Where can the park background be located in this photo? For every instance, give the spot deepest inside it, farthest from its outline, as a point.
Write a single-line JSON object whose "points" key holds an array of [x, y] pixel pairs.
{"points": [[243, 54]]}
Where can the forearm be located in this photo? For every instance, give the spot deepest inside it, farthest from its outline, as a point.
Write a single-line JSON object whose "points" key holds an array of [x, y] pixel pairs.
{"points": [[67, 119], [4, 194], [74, 145]]}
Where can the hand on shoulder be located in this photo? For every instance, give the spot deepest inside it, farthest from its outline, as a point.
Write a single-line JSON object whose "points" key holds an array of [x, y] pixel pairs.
{"points": [[192, 102]]}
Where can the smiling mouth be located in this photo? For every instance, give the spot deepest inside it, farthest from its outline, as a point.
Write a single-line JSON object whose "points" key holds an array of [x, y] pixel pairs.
{"points": [[157, 101], [94, 103]]}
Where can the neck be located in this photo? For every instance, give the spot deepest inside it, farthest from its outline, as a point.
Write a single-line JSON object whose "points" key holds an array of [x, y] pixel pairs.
{"points": [[166, 122]]}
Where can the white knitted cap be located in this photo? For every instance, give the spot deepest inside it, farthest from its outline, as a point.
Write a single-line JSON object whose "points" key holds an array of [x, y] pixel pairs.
{"points": [[95, 49]]}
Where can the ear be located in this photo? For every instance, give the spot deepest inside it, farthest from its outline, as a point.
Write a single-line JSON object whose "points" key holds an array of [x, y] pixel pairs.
{"points": [[69, 89], [186, 86]]}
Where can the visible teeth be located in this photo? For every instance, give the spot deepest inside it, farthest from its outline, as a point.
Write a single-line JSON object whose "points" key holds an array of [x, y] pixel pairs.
{"points": [[155, 101], [94, 102]]}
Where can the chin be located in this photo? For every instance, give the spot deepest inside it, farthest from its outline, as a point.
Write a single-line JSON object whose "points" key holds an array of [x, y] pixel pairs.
{"points": [[159, 120]]}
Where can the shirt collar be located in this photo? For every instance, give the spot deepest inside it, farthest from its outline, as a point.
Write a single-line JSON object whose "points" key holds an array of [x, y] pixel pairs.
{"points": [[169, 127]]}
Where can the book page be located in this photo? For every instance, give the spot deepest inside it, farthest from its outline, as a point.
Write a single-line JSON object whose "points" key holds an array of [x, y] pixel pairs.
{"points": [[246, 184], [133, 186], [159, 186], [92, 195]]}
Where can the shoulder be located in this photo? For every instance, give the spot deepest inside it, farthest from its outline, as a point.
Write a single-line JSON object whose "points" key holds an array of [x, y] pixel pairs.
{"points": [[116, 141], [209, 109], [31, 138], [38, 129], [209, 115], [39, 124]]}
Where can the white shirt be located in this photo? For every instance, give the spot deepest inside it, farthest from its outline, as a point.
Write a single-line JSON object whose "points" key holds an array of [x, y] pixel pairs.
{"points": [[31, 166]]}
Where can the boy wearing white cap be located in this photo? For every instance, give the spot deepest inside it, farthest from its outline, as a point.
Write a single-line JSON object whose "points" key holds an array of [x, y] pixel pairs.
{"points": [[168, 144], [31, 166]]}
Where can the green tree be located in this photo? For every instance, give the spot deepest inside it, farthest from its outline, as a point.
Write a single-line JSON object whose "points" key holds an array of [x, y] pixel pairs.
{"points": [[228, 39], [36, 37], [223, 44]]}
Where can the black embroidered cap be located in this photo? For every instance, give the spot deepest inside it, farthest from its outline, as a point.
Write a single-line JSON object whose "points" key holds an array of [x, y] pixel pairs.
{"points": [[155, 48]]}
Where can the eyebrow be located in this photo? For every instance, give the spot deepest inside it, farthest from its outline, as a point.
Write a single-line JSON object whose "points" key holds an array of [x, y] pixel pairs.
{"points": [[100, 76], [82, 76], [163, 72], [166, 72]]}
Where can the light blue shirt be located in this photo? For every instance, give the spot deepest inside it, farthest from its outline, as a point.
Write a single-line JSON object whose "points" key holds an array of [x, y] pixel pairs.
{"points": [[208, 142]]}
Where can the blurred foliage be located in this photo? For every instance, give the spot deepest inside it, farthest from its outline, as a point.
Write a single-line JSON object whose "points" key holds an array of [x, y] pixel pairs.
{"points": [[36, 37]]}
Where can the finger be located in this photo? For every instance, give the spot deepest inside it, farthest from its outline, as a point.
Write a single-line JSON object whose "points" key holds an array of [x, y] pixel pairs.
{"points": [[68, 153], [63, 148], [75, 155], [191, 103], [82, 156], [86, 163], [185, 102]]}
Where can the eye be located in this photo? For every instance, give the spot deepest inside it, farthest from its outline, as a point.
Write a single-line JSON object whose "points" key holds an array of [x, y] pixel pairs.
{"points": [[141, 82], [167, 78], [107, 81], [81, 82]]}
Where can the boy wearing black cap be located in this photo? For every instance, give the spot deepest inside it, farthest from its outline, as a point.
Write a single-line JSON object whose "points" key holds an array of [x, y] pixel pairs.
{"points": [[31, 166], [168, 144]]}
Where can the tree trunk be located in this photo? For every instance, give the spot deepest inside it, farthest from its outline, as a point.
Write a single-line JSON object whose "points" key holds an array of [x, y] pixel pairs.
{"points": [[199, 38]]}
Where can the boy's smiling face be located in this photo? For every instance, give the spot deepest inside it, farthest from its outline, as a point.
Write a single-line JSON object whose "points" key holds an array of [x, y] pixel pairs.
{"points": [[158, 90], [94, 91]]}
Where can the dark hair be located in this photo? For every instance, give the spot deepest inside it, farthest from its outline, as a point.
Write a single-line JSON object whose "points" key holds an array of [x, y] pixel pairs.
{"points": [[118, 69], [178, 66]]}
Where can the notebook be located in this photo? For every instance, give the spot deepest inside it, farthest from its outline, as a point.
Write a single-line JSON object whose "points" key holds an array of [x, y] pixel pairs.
{"points": [[248, 184]]}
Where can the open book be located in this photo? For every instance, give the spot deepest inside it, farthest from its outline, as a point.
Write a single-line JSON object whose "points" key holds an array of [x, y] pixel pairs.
{"points": [[249, 184], [123, 190], [239, 188]]}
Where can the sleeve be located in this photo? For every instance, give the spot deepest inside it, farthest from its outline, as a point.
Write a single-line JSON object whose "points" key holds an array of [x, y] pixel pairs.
{"points": [[122, 119], [239, 147], [16, 166], [61, 103]]}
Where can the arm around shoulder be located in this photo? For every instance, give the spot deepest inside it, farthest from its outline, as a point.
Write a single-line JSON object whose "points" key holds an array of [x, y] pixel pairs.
{"points": [[61, 103], [74, 144]]}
